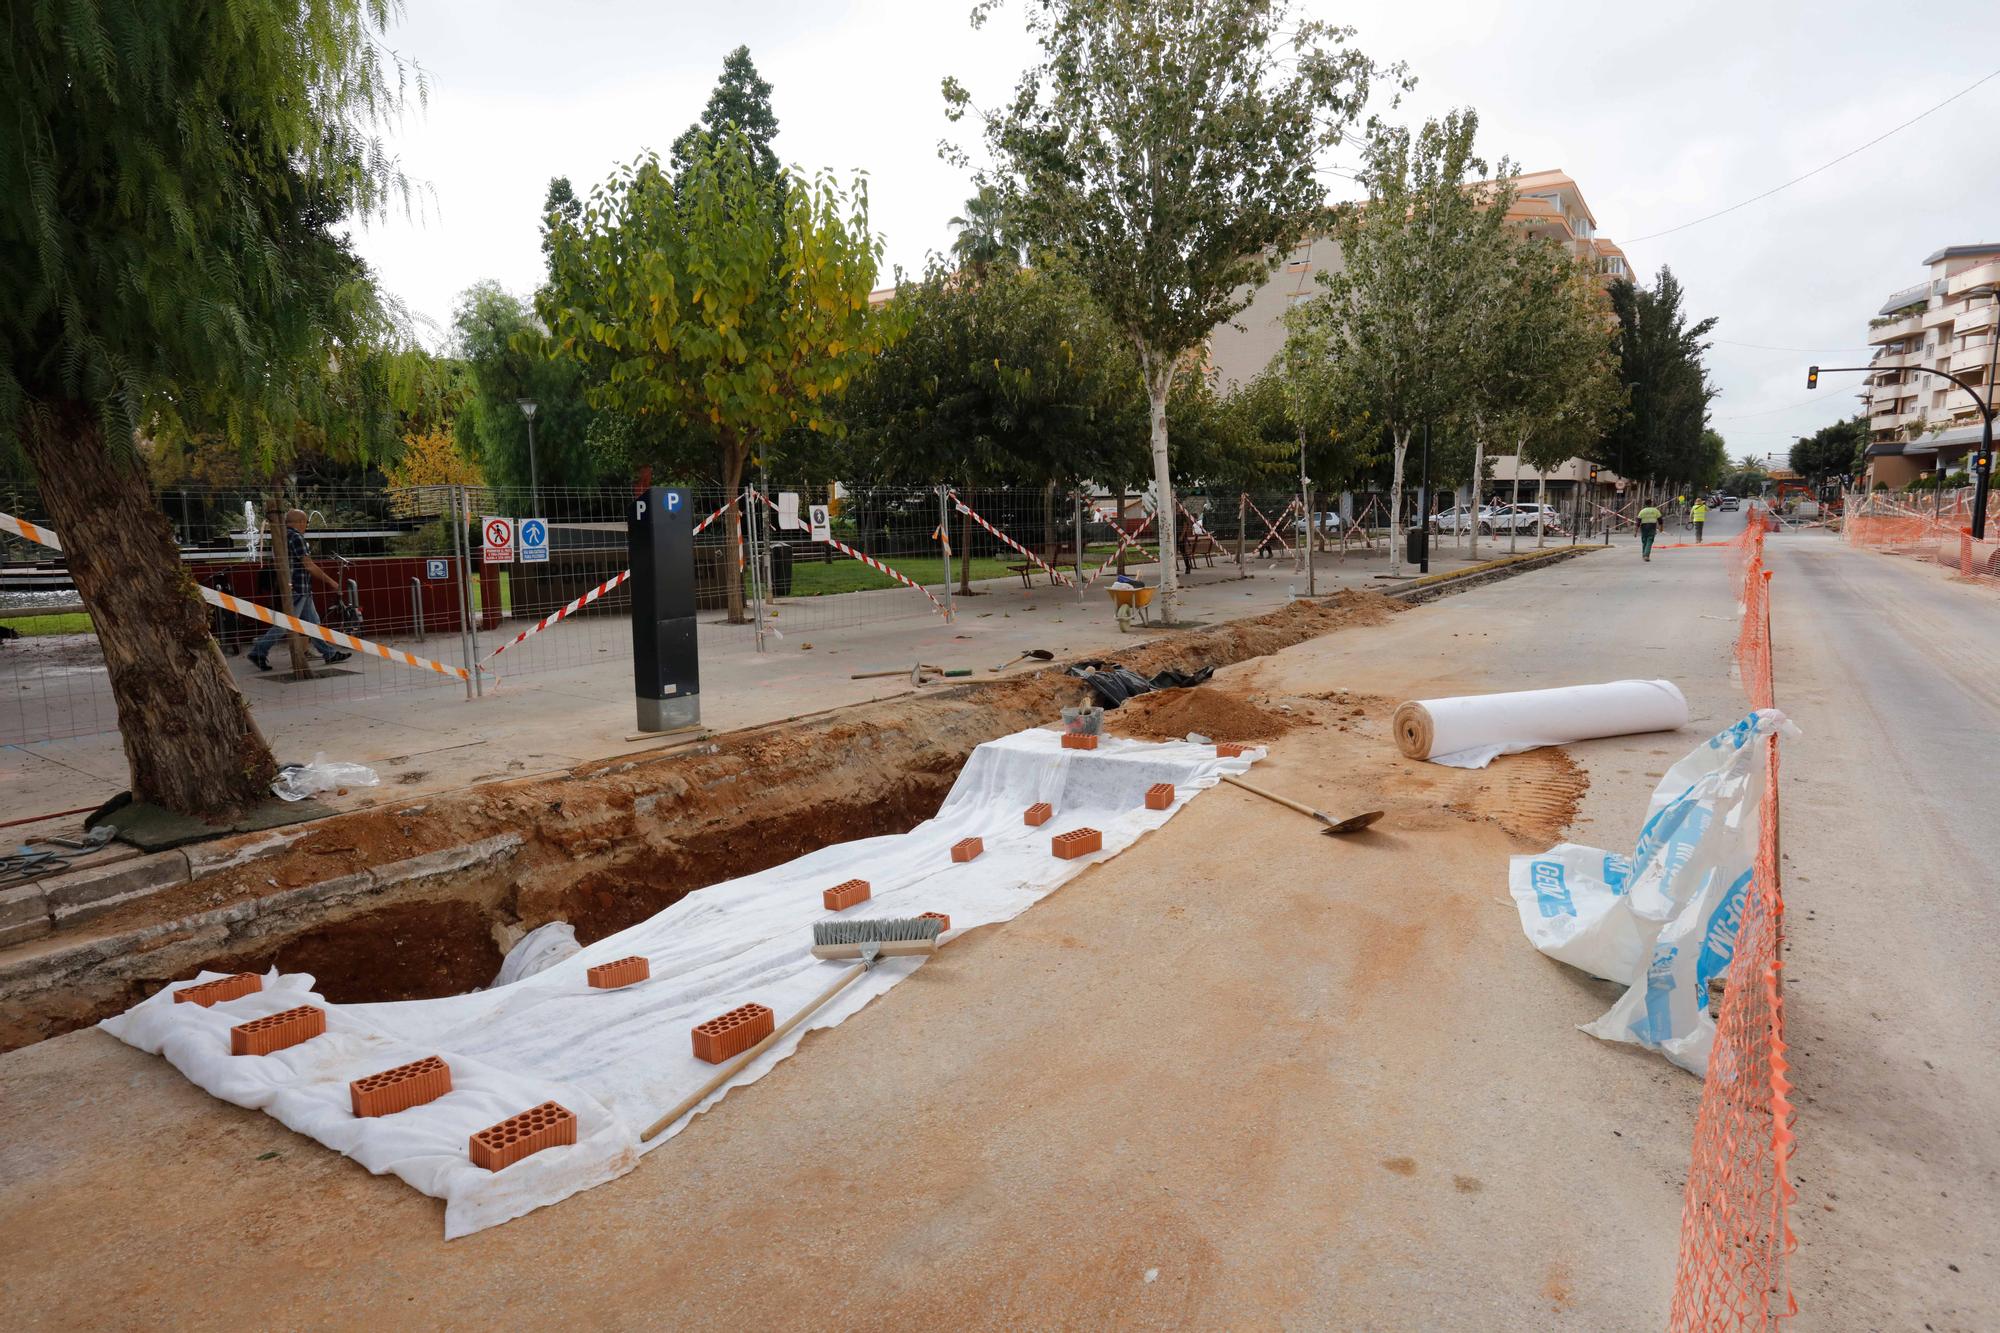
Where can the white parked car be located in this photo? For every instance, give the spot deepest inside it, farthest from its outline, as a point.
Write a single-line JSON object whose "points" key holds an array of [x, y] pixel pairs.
{"points": [[1329, 524], [1523, 517], [1463, 518]]}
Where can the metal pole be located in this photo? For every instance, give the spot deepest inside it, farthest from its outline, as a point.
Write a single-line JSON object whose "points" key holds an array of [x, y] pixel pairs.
{"points": [[755, 532], [534, 485], [417, 602], [458, 544], [944, 546], [1242, 514], [1424, 506], [1078, 497], [1312, 535]]}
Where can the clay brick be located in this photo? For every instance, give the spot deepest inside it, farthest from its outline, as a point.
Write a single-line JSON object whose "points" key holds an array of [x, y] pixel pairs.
{"points": [[1229, 749], [843, 896], [965, 849], [1077, 842], [400, 1088], [214, 992], [1076, 740], [944, 922], [498, 1147], [261, 1036], [1160, 796], [1038, 814], [732, 1033], [624, 972]]}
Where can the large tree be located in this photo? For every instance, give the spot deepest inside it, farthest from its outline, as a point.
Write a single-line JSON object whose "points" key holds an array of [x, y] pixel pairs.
{"points": [[985, 235], [689, 298], [1660, 362], [505, 351], [1169, 152], [742, 98], [1831, 451], [1396, 326], [172, 185]]}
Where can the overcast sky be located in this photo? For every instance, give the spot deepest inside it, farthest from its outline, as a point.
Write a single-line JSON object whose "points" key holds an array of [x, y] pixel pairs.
{"points": [[1662, 113]]}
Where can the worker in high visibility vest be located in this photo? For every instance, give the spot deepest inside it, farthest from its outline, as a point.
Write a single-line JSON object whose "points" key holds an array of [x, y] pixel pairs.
{"points": [[1649, 528], [1698, 515]]}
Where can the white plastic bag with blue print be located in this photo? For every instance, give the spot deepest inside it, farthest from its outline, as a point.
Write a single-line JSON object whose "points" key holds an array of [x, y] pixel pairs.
{"points": [[1633, 919], [1695, 862]]}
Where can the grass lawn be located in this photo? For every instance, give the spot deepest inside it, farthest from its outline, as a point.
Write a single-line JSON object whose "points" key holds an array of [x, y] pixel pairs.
{"points": [[812, 579], [31, 626]]}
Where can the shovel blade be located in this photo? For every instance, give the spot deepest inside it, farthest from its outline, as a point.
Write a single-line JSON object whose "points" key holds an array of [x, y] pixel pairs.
{"points": [[1352, 824]]}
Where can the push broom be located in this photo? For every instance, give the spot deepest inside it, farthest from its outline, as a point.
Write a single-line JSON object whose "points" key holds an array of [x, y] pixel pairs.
{"points": [[869, 941]]}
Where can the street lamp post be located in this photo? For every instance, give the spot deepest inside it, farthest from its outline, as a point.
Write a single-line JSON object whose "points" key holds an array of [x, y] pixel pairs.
{"points": [[527, 406]]}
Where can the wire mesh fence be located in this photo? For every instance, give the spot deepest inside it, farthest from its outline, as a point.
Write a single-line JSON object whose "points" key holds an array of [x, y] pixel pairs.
{"points": [[485, 586]]}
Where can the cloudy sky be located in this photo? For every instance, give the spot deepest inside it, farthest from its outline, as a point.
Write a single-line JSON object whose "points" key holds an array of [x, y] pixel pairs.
{"points": [[1662, 113]]}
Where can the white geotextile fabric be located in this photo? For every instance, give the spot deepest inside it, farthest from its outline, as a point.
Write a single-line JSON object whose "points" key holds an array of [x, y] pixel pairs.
{"points": [[619, 1059], [1470, 730]]}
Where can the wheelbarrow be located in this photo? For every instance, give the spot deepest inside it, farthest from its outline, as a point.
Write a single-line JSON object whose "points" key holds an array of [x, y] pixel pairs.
{"points": [[1132, 602]]}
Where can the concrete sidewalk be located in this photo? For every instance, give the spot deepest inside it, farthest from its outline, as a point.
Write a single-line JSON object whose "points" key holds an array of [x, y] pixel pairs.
{"points": [[565, 696]]}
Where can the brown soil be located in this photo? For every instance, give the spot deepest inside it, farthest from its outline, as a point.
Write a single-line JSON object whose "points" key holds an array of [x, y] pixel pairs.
{"points": [[610, 842], [1172, 714]]}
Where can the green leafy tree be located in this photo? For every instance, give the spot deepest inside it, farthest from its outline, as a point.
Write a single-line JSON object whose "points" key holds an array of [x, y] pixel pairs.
{"points": [[173, 181], [685, 300], [1168, 152], [1835, 450], [506, 354], [1660, 362], [985, 237], [1396, 325], [742, 98]]}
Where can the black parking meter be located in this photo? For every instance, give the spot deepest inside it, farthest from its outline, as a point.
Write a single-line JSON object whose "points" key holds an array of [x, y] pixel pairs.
{"points": [[666, 674]]}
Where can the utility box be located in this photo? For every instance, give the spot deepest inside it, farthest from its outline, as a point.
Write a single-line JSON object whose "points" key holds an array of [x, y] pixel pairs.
{"points": [[666, 671], [1420, 545]]}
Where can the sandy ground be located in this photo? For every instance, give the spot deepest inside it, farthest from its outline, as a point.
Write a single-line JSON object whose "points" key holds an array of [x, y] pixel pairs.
{"points": [[1241, 1075]]}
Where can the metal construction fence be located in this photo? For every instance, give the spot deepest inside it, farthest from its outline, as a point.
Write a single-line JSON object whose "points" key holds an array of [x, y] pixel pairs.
{"points": [[1936, 528], [455, 589], [1736, 1233]]}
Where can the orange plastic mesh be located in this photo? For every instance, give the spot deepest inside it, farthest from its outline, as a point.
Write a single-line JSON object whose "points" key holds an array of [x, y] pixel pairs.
{"points": [[1736, 1232], [1935, 529]]}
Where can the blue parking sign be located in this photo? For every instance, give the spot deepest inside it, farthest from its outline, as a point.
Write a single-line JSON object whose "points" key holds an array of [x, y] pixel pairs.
{"points": [[534, 539], [437, 569]]}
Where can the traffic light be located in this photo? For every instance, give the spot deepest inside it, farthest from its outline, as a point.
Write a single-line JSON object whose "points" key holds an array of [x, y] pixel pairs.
{"points": [[1982, 461], [1812, 377], [1593, 472]]}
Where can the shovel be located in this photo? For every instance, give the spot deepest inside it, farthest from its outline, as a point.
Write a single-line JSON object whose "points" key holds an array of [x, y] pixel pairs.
{"points": [[1038, 654], [1352, 824]]}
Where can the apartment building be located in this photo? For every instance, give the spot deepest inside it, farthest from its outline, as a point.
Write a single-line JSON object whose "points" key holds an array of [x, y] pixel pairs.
{"points": [[1919, 422], [1546, 204]]}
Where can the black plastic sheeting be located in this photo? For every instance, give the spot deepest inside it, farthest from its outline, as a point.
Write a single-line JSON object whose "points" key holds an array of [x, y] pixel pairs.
{"points": [[1114, 684]]}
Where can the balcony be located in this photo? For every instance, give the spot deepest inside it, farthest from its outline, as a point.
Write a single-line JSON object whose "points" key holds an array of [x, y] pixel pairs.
{"points": [[1979, 315], [1974, 357], [1979, 275], [1944, 313], [1895, 330]]}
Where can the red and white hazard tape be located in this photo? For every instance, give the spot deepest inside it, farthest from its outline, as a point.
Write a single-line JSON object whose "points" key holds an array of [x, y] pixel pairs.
{"points": [[867, 560], [1123, 542], [974, 515], [574, 606], [20, 527], [727, 505], [1271, 528]]}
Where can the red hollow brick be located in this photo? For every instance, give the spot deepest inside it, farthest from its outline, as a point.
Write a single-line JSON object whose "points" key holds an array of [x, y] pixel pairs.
{"points": [[261, 1036], [732, 1033], [1076, 740], [624, 972], [843, 896], [965, 849], [214, 992], [400, 1088], [1160, 796], [1038, 814], [1229, 749], [944, 922], [1077, 842], [498, 1147]]}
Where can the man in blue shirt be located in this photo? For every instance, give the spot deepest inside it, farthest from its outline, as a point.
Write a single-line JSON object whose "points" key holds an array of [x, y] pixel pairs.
{"points": [[304, 567]]}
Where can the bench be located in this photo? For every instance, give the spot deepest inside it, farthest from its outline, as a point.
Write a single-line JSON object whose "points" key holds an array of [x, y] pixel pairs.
{"points": [[1062, 560]]}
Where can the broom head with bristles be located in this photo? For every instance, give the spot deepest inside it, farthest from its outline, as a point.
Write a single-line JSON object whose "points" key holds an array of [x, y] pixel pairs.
{"points": [[894, 937]]}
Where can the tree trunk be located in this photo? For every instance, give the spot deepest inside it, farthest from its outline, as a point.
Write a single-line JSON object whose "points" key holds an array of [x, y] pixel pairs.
{"points": [[1400, 447], [1049, 523], [1159, 382], [1514, 519], [734, 451], [276, 512], [965, 552], [190, 742], [1118, 524], [1478, 483]]}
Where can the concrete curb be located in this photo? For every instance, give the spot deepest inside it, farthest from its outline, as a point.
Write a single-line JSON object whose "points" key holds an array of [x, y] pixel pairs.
{"points": [[38, 909], [1418, 591]]}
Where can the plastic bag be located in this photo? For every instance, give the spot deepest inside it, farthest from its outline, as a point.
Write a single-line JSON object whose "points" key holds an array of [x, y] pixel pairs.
{"points": [[1663, 920], [298, 781], [537, 951]]}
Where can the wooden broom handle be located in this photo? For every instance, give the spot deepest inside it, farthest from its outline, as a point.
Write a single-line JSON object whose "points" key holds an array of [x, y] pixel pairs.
{"points": [[734, 1067]]}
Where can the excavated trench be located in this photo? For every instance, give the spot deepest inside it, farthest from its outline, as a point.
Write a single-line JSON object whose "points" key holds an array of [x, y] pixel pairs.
{"points": [[396, 903]]}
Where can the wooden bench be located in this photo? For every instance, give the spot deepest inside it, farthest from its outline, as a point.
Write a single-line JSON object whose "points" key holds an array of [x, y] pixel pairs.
{"points": [[1063, 560]]}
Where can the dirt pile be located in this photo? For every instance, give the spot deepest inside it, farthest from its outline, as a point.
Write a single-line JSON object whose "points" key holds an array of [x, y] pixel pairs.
{"points": [[1172, 714]]}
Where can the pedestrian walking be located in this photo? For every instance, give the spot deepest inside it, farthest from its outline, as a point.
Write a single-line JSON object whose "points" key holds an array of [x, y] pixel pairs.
{"points": [[304, 569], [1649, 528], [1699, 515]]}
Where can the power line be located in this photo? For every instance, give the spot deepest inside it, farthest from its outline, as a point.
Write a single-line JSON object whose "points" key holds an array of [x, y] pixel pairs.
{"points": [[1816, 170], [1767, 347]]}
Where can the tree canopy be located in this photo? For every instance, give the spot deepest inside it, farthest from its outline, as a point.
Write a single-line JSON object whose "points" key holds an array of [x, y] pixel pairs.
{"points": [[742, 98], [1660, 363], [1168, 153], [1832, 451], [505, 351]]}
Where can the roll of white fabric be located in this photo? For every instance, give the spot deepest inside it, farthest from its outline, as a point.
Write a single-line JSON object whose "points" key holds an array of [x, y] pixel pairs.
{"points": [[1469, 730]]}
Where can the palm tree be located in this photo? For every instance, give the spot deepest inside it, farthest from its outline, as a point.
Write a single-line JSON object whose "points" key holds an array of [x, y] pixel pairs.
{"points": [[983, 234]]}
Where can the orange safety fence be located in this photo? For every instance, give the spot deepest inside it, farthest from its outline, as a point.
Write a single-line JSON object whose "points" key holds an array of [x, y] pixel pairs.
{"points": [[1935, 529], [1736, 1233]]}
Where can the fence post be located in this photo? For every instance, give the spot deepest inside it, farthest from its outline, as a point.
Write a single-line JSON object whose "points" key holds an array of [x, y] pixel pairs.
{"points": [[1312, 535], [456, 498], [417, 606], [1242, 500], [1077, 497], [944, 546], [754, 531]]}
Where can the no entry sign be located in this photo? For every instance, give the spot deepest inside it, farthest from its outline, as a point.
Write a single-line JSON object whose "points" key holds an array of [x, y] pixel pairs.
{"points": [[497, 541]]}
